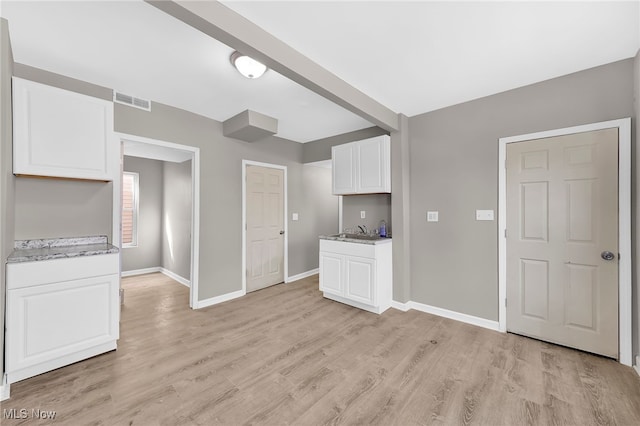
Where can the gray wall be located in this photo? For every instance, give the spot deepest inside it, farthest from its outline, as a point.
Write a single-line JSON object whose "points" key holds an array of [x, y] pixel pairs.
{"points": [[376, 206], [7, 188], [221, 190], [454, 169], [320, 149], [49, 208], [635, 193], [400, 210], [220, 183], [318, 214], [176, 218], [148, 253]]}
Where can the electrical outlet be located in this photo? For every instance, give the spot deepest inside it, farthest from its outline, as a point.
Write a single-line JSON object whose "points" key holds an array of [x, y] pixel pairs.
{"points": [[432, 216], [484, 214], [363, 214], [294, 216]]}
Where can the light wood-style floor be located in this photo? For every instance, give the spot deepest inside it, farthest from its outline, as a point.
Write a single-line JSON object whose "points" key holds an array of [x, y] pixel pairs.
{"points": [[285, 355]]}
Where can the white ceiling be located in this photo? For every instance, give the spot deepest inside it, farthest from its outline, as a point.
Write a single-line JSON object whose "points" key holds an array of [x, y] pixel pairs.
{"points": [[413, 57], [141, 51], [418, 56]]}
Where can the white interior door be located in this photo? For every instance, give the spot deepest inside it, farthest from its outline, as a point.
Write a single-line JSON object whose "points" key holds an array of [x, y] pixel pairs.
{"points": [[562, 240], [265, 227]]}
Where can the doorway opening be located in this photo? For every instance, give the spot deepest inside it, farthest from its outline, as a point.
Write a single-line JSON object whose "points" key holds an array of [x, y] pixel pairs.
{"points": [[623, 127], [170, 173], [264, 225]]}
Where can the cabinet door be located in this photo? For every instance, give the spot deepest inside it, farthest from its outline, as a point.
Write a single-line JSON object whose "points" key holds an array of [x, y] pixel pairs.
{"points": [[373, 165], [360, 279], [344, 168], [62, 134], [50, 321], [331, 273]]}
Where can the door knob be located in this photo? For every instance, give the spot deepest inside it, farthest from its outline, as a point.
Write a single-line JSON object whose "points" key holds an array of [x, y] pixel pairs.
{"points": [[607, 255], [281, 232]]}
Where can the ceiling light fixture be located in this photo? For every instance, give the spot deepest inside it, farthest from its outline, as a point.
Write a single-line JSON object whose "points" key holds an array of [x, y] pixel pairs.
{"points": [[247, 66]]}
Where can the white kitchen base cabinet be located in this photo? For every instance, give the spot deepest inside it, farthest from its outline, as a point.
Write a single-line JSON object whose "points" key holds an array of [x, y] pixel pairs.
{"points": [[359, 275], [53, 323]]}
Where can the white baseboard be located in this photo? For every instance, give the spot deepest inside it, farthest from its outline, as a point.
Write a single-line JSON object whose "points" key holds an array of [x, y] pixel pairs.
{"points": [[176, 277], [219, 299], [302, 275], [4, 388], [637, 366], [155, 269], [401, 306], [468, 319], [135, 272]]}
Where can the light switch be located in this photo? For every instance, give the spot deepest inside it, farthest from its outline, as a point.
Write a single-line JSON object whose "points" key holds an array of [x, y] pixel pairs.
{"points": [[363, 214], [294, 216], [432, 216], [484, 214]]}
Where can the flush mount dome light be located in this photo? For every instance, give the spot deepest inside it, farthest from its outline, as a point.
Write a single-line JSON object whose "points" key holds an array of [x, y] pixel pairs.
{"points": [[247, 66]]}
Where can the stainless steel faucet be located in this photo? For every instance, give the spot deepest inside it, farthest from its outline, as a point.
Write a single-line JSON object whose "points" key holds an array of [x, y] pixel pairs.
{"points": [[363, 228]]}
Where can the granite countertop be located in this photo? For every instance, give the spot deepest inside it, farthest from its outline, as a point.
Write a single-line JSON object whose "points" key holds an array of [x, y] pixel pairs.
{"points": [[60, 248], [356, 238]]}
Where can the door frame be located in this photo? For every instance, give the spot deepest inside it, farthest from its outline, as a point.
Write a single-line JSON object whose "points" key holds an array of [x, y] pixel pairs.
{"points": [[195, 205], [246, 163], [624, 224]]}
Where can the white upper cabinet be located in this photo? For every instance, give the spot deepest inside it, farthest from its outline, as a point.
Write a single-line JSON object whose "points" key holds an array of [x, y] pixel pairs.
{"points": [[362, 167], [373, 171], [59, 133], [343, 158]]}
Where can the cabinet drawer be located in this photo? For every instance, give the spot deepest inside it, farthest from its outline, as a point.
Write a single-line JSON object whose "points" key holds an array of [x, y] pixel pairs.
{"points": [[352, 249], [26, 274]]}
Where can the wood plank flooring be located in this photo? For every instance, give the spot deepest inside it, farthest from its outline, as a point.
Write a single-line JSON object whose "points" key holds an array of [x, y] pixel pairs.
{"points": [[286, 355]]}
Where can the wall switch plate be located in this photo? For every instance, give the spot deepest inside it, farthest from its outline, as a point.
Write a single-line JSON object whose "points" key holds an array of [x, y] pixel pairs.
{"points": [[484, 214], [432, 216], [294, 216], [363, 214]]}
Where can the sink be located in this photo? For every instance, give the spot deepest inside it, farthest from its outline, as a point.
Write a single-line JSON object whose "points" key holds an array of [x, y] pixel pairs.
{"points": [[356, 236]]}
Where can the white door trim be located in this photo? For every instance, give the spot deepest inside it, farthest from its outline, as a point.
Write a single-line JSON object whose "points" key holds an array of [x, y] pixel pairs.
{"points": [[195, 210], [624, 230], [246, 163]]}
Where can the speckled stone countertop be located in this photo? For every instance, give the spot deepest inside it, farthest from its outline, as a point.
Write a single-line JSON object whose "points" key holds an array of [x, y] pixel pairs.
{"points": [[60, 248], [347, 239]]}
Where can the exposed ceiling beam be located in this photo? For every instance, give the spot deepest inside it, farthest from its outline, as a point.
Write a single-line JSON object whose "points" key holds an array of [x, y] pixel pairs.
{"points": [[237, 32]]}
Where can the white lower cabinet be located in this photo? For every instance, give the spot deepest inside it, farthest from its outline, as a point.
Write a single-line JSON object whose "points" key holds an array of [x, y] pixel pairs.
{"points": [[331, 275], [52, 323], [361, 276], [357, 274]]}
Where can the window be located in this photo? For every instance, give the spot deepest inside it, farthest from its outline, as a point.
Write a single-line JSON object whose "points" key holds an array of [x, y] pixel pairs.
{"points": [[130, 209]]}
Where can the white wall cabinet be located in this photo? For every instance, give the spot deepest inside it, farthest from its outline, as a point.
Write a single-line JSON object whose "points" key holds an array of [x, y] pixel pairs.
{"points": [[58, 318], [362, 167], [357, 274], [343, 159], [59, 133]]}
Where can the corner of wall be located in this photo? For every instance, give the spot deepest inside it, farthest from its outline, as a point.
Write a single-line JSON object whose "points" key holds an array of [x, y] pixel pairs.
{"points": [[400, 210], [635, 195], [7, 180]]}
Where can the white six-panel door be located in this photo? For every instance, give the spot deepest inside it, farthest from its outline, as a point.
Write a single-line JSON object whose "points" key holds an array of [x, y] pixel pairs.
{"points": [[562, 219], [265, 227]]}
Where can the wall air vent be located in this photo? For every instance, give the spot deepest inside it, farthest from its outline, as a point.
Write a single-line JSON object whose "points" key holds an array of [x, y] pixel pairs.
{"points": [[121, 98]]}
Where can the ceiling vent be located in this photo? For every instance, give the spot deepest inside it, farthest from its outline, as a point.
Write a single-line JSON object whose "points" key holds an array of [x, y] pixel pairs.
{"points": [[121, 98]]}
